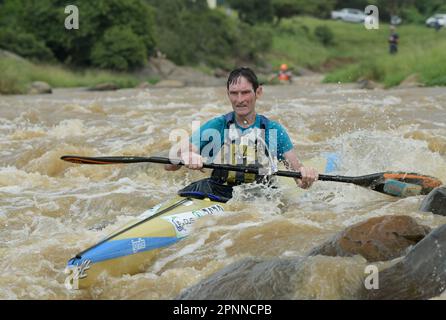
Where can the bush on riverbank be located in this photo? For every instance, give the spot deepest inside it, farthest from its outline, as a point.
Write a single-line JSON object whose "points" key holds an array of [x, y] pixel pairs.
{"points": [[189, 33], [18, 74]]}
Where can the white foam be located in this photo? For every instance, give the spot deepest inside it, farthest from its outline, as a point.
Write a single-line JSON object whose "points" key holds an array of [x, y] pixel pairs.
{"points": [[189, 249]]}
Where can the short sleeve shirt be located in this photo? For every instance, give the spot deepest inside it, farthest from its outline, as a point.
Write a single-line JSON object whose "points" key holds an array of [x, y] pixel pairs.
{"points": [[277, 138]]}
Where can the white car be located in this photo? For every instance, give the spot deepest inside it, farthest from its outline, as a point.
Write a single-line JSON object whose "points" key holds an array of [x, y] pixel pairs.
{"points": [[350, 15], [440, 17]]}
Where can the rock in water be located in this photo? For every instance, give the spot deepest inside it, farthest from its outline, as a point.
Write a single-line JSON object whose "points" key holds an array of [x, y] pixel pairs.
{"points": [[40, 87], [377, 239], [367, 84], [420, 275], [250, 278], [435, 201], [104, 87]]}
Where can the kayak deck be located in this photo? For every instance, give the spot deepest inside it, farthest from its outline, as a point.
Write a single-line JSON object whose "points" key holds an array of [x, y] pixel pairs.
{"points": [[131, 248]]}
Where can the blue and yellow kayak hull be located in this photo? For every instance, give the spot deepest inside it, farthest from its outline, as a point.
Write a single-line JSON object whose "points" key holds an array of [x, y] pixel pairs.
{"points": [[130, 249]]}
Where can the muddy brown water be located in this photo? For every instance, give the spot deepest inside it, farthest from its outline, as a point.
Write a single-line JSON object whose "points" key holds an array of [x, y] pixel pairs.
{"points": [[51, 210]]}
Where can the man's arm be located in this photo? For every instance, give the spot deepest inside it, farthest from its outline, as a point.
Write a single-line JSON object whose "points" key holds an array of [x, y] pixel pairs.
{"points": [[190, 152], [309, 175]]}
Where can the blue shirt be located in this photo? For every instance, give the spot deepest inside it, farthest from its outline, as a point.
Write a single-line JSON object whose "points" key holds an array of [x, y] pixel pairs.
{"points": [[201, 138]]}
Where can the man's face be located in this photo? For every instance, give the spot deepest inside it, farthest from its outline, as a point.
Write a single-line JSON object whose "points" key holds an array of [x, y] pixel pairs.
{"points": [[242, 97]]}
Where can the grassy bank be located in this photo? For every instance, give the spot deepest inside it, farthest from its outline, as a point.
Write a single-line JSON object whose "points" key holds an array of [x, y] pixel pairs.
{"points": [[357, 52], [17, 75]]}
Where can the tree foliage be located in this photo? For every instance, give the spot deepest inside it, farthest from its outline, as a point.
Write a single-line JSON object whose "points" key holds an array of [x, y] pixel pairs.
{"points": [[252, 11], [119, 49], [45, 20], [25, 45], [189, 33]]}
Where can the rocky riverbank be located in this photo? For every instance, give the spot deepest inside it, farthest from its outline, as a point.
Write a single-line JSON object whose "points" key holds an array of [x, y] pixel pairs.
{"points": [[410, 257]]}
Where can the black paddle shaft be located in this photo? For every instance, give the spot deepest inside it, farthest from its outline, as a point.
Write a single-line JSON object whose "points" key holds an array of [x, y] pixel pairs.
{"points": [[362, 180], [373, 181]]}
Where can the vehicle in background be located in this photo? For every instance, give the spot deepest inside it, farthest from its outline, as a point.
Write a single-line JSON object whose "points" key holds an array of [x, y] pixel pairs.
{"points": [[348, 14], [439, 17]]}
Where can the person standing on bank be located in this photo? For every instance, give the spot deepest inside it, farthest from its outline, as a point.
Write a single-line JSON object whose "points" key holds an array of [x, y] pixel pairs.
{"points": [[393, 40], [437, 25], [243, 90]]}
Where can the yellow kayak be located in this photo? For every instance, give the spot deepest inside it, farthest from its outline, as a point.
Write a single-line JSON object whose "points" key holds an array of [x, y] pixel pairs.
{"points": [[131, 248]]}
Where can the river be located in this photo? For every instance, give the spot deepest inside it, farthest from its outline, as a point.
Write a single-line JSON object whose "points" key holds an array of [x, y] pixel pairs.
{"points": [[50, 210]]}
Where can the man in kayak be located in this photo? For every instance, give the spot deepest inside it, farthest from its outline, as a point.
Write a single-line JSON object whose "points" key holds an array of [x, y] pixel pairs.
{"points": [[284, 75], [240, 136]]}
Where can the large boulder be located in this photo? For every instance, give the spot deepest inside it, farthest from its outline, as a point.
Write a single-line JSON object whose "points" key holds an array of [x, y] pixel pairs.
{"points": [[164, 69], [192, 77], [247, 280], [435, 201], [40, 87], [420, 275], [161, 67], [377, 239], [11, 55], [365, 83]]}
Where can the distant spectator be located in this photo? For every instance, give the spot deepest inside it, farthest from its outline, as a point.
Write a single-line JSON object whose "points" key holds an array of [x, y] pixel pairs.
{"points": [[437, 25], [393, 40]]}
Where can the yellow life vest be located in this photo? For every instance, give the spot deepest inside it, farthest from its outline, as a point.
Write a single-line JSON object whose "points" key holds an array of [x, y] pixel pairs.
{"points": [[241, 149]]}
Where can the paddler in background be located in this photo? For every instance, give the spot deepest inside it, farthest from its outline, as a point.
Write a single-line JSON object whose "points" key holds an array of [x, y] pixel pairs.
{"points": [[242, 137], [284, 75]]}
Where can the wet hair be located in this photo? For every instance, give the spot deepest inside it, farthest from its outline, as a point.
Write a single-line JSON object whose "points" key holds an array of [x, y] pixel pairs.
{"points": [[245, 72]]}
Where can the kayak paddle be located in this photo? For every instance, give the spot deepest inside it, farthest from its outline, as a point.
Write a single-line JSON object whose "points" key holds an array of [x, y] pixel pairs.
{"points": [[401, 184]]}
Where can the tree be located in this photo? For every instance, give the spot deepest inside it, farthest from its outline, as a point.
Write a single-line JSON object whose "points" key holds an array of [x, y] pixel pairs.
{"points": [[253, 11], [192, 35], [45, 20], [25, 45], [289, 8], [119, 49], [323, 8]]}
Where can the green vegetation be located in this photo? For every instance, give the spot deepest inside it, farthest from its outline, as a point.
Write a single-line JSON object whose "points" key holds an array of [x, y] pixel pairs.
{"points": [[324, 34], [250, 12], [359, 53], [121, 35], [189, 33], [25, 45], [18, 74], [99, 21], [421, 52], [119, 49]]}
